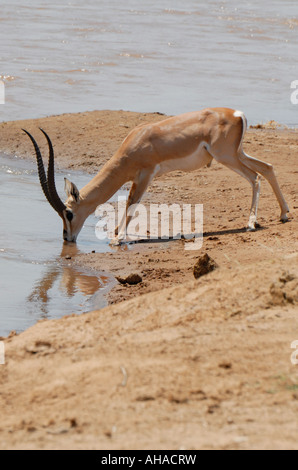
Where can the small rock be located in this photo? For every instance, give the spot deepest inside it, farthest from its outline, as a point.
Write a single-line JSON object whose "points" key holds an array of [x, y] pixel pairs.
{"points": [[132, 279], [287, 277], [212, 408], [40, 347], [73, 423], [284, 292], [225, 365], [277, 294], [12, 334], [204, 265]]}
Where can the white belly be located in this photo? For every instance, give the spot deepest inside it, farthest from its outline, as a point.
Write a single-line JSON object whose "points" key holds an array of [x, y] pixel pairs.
{"points": [[192, 162]]}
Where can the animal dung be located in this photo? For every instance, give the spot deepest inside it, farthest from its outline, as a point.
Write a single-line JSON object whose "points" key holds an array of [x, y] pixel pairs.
{"points": [[132, 279], [203, 266]]}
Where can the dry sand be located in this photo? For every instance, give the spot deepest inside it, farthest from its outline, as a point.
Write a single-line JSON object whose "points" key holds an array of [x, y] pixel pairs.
{"points": [[174, 363]]}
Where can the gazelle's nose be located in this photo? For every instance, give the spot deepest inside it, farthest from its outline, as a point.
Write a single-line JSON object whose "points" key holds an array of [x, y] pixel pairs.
{"points": [[67, 239]]}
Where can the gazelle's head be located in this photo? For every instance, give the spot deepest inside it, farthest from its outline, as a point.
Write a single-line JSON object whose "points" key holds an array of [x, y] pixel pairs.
{"points": [[70, 213]]}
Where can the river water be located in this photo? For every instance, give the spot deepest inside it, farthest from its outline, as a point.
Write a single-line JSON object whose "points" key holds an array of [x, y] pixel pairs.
{"points": [[167, 56], [34, 283]]}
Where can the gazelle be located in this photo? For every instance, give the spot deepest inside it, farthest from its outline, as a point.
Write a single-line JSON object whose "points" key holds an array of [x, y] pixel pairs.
{"points": [[186, 142]]}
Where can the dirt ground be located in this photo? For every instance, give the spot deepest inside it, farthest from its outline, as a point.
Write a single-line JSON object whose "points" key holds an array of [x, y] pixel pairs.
{"points": [[173, 362]]}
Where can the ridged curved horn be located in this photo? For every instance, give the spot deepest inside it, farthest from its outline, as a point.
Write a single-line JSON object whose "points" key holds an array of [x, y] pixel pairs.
{"points": [[59, 205], [49, 190], [40, 167]]}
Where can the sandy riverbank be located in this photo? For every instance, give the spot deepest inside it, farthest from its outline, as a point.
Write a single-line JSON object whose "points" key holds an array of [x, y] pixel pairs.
{"points": [[190, 367]]}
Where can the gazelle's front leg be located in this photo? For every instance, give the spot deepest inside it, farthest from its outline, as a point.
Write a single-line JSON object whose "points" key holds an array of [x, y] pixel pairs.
{"points": [[137, 190], [128, 203]]}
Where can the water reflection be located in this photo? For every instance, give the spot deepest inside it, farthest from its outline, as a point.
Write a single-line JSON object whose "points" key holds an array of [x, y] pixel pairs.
{"points": [[70, 281], [36, 279]]}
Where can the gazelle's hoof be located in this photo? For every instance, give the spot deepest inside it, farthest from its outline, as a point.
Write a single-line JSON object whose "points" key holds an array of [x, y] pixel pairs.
{"points": [[252, 225], [115, 242], [284, 215]]}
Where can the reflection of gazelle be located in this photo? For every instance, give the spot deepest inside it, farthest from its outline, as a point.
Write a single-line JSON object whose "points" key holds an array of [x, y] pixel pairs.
{"points": [[71, 281], [186, 142]]}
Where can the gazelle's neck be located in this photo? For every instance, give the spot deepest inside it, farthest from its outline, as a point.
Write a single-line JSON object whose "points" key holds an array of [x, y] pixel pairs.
{"points": [[104, 185]]}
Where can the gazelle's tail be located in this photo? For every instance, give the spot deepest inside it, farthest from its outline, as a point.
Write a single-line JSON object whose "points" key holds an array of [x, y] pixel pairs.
{"points": [[244, 125]]}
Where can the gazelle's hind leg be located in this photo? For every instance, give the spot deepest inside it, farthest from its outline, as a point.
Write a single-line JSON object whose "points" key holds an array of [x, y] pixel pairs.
{"points": [[266, 170], [233, 162], [254, 180], [137, 190]]}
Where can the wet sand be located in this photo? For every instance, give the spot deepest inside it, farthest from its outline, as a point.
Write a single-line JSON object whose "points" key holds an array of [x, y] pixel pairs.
{"points": [[194, 366]]}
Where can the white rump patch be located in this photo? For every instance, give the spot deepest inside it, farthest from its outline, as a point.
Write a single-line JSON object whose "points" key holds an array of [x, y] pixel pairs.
{"points": [[239, 114]]}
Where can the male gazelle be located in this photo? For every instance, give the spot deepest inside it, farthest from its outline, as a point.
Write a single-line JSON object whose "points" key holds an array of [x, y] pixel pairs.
{"points": [[186, 142]]}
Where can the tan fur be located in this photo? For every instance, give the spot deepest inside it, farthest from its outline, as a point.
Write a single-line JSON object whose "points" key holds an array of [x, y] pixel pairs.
{"points": [[186, 142]]}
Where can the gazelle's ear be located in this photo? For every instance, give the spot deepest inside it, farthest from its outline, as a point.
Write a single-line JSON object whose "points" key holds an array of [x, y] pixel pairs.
{"points": [[71, 190]]}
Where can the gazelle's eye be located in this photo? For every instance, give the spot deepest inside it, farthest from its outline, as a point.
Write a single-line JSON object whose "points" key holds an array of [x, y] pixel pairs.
{"points": [[69, 215]]}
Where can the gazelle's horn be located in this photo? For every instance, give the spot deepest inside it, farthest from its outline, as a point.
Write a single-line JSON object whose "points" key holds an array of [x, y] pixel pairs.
{"points": [[47, 184], [59, 205]]}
